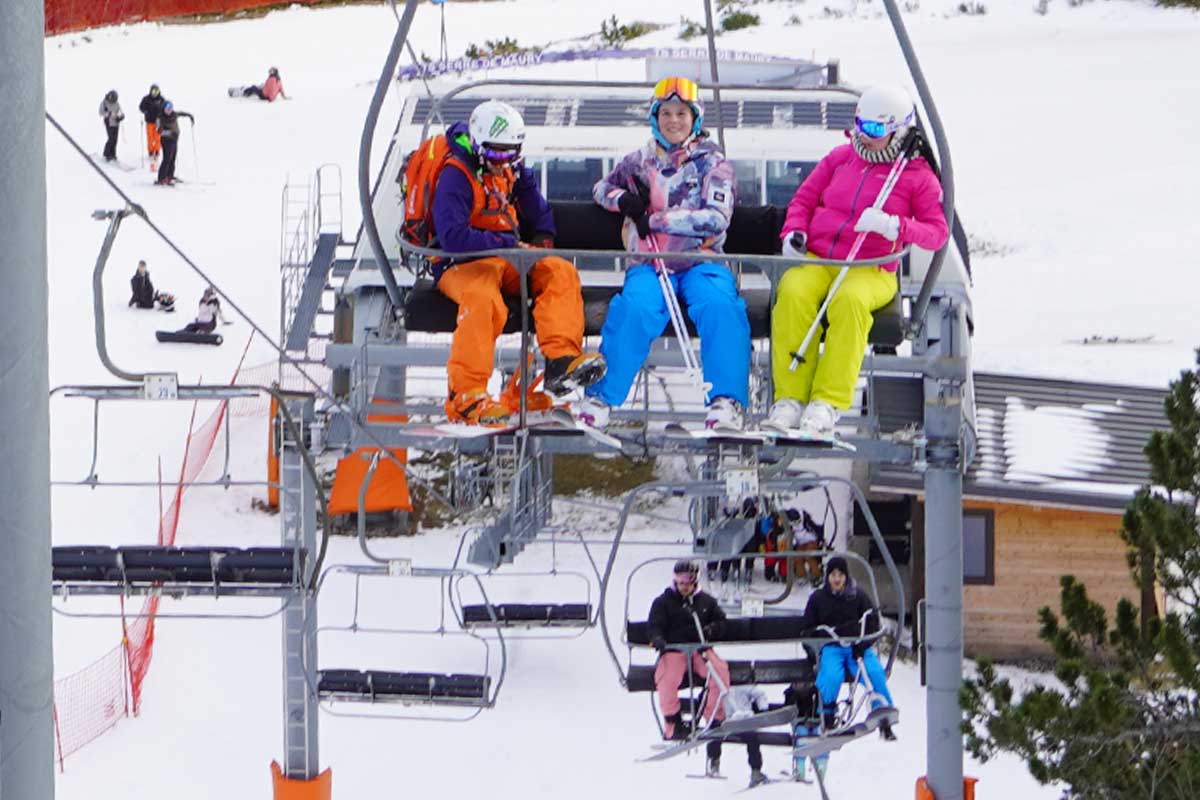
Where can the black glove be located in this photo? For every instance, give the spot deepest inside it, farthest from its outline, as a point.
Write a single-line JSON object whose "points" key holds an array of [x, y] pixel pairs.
{"points": [[659, 644], [711, 631], [543, 240], [858, 649], [634, 207]]}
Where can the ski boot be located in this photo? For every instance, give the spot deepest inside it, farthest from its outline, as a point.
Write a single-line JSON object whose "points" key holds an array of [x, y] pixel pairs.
{"points": [[800, 769], [674, 728], [476, 407], [885, 731], [757, 778], [712, 768], [573, 372]]}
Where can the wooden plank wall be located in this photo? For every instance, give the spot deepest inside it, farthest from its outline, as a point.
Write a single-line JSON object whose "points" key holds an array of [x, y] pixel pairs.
{"points": [[1034, 546]]}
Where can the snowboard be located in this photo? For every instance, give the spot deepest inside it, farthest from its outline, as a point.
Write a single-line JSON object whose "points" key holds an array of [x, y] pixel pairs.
{"points": [[794, 437], [714, 434], [184, 337], [556, 419]]}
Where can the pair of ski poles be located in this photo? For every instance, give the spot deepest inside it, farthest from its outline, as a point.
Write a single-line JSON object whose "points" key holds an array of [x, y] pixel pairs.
{"points": [[691, 362], [889, 183]]}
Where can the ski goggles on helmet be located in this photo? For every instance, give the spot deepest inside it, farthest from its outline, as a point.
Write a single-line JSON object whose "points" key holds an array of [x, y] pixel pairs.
{"points": [[684, 89], [872, 129], [500, 153]]}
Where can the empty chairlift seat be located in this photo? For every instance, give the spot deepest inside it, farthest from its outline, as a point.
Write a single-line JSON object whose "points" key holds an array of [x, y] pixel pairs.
{"points": [[513, 615], [123, 568], [754, 230], [374, 686]]}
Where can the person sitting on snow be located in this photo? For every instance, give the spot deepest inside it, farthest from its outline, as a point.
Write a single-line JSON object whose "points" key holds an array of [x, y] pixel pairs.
{"points": [[677, 194], [832, 204], [270, 89], [678, 616], [483, 194], [841, 605], [144, 295], [209, 313]]}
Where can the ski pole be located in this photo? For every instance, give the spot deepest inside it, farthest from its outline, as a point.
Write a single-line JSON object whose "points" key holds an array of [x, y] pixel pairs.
{"points": [[888, 184], [195, 160], [690, 362]]}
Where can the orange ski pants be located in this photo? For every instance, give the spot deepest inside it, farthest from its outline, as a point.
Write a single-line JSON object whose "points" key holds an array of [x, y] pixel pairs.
{"points": [[479, 288], [153, 142]]}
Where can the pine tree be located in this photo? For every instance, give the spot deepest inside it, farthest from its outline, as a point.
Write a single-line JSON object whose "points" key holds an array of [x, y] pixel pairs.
{"points": [[1125, 722]]}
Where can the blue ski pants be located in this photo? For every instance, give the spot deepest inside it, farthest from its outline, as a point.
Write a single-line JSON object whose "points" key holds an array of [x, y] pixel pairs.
{"points": [[835, 662], [638, 315]]}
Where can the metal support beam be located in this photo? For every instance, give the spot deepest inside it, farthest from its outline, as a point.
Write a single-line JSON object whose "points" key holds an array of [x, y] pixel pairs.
{"points": [[26, 658], [298, 517], [944, 571]]}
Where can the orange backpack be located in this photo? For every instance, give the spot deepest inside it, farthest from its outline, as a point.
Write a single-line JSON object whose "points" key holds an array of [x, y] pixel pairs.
{"points": [[419, 177]]}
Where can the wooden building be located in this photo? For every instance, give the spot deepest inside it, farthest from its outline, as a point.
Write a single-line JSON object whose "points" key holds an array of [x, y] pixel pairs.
{"points": [[1055, 464]]}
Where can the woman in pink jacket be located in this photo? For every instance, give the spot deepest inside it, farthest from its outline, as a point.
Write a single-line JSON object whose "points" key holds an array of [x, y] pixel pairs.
{"points": [[272, 88], [829, 209]]}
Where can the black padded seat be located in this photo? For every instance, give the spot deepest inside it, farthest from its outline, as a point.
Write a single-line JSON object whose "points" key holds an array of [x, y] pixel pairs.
{"points": [[169, 564], [412, 686], [736, 629], [157, 564], [528, 614], [741, 673], [754, 230], [85, 563], [260, 565]]}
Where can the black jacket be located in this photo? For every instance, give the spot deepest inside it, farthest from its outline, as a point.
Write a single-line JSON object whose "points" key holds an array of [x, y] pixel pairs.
{"points": [[143, 291], [672, 621], [168, 124], [151, 107], [841, 612]]}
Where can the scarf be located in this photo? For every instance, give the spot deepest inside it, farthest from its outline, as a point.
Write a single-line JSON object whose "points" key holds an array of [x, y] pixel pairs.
{"points": [[884, 156]]}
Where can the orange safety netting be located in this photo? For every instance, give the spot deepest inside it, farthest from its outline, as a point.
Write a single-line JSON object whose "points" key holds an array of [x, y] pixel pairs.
{"points": [[74, 15]]}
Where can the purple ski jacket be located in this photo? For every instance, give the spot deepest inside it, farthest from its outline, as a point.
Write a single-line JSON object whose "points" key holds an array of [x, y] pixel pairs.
{"points": [[831, 199]]}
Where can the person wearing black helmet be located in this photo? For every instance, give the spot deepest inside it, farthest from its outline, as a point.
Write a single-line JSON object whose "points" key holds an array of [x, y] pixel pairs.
{"points": [[151, 108], [111, 113], [680, 615], [841, 605], [269, 90], [168, 130]]}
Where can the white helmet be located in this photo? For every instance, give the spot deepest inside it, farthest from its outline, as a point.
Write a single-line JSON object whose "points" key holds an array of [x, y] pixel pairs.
{"points": [[496, 126], [882, 110]]}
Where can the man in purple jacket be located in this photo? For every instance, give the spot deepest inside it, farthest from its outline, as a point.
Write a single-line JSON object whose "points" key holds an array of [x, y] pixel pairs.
{"points": [[482, 197]]}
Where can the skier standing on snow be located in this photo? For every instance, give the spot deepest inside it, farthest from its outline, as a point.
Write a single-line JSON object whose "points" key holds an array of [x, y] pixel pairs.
{"points": [[151, 108], [209, 313], [832, 204], [144, 295], [111, 113], [482, 195], [677, 194], [842, 605], [270, 89], [168, 131], [803, 695], [678, 616]]}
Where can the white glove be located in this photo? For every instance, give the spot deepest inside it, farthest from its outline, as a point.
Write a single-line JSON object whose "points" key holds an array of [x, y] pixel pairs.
{"points": [[794, 244], [875, 221]]}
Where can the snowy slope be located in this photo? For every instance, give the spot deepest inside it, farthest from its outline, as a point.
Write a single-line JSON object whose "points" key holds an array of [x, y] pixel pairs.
{"points": [[1064, 128]]}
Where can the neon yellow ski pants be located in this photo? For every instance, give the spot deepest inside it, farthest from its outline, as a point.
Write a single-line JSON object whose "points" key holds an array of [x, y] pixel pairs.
{"points": [[831, 375]]}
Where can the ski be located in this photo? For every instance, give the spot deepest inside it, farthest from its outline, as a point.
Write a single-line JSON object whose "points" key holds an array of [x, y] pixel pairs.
{"points": [[566, 420], [794, 437], [1111, 340], [702, 777], [100, 161]]}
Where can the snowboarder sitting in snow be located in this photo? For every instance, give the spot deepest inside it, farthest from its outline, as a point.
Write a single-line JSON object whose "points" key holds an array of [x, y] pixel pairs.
{"points": [[740, 702], [678, 616], [677, 194], [168, 131], [270, 89], [151, 108], [803, 695], [207, 316], [841, 605], [110, 111], [144, 295], [482, 195], [841, 192]]}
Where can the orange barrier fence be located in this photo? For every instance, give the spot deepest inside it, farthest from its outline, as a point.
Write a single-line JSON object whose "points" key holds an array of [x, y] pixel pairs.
{"points": [[73, 15]]}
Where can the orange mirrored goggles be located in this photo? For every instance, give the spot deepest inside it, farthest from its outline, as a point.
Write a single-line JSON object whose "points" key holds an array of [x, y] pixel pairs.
{"points": [[683, 88]]}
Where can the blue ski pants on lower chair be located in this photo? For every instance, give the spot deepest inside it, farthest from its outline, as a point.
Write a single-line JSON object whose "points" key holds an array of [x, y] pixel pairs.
{"points": [[836, 661], [638, 315]]}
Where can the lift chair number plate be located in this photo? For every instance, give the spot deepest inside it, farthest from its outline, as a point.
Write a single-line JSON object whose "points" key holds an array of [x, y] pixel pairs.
{"points": [[741, 483], [752, 606], [400, 567], [161, 386]]}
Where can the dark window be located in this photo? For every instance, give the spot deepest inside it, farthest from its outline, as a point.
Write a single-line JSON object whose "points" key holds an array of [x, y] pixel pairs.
{"points": [[783, 178], [748, 180], [979, 547], [572, 178]]}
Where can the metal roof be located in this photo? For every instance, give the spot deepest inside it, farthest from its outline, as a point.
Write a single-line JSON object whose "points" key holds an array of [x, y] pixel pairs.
{"points": [[1042, 441]]}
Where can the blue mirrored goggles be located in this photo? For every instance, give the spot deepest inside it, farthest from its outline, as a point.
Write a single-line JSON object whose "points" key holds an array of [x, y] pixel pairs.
{"points": [[871, 128], [500, 154]]}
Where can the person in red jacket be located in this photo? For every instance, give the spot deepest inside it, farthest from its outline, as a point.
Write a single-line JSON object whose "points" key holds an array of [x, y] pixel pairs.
{"points": [[834, 204], [271, 88]]}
